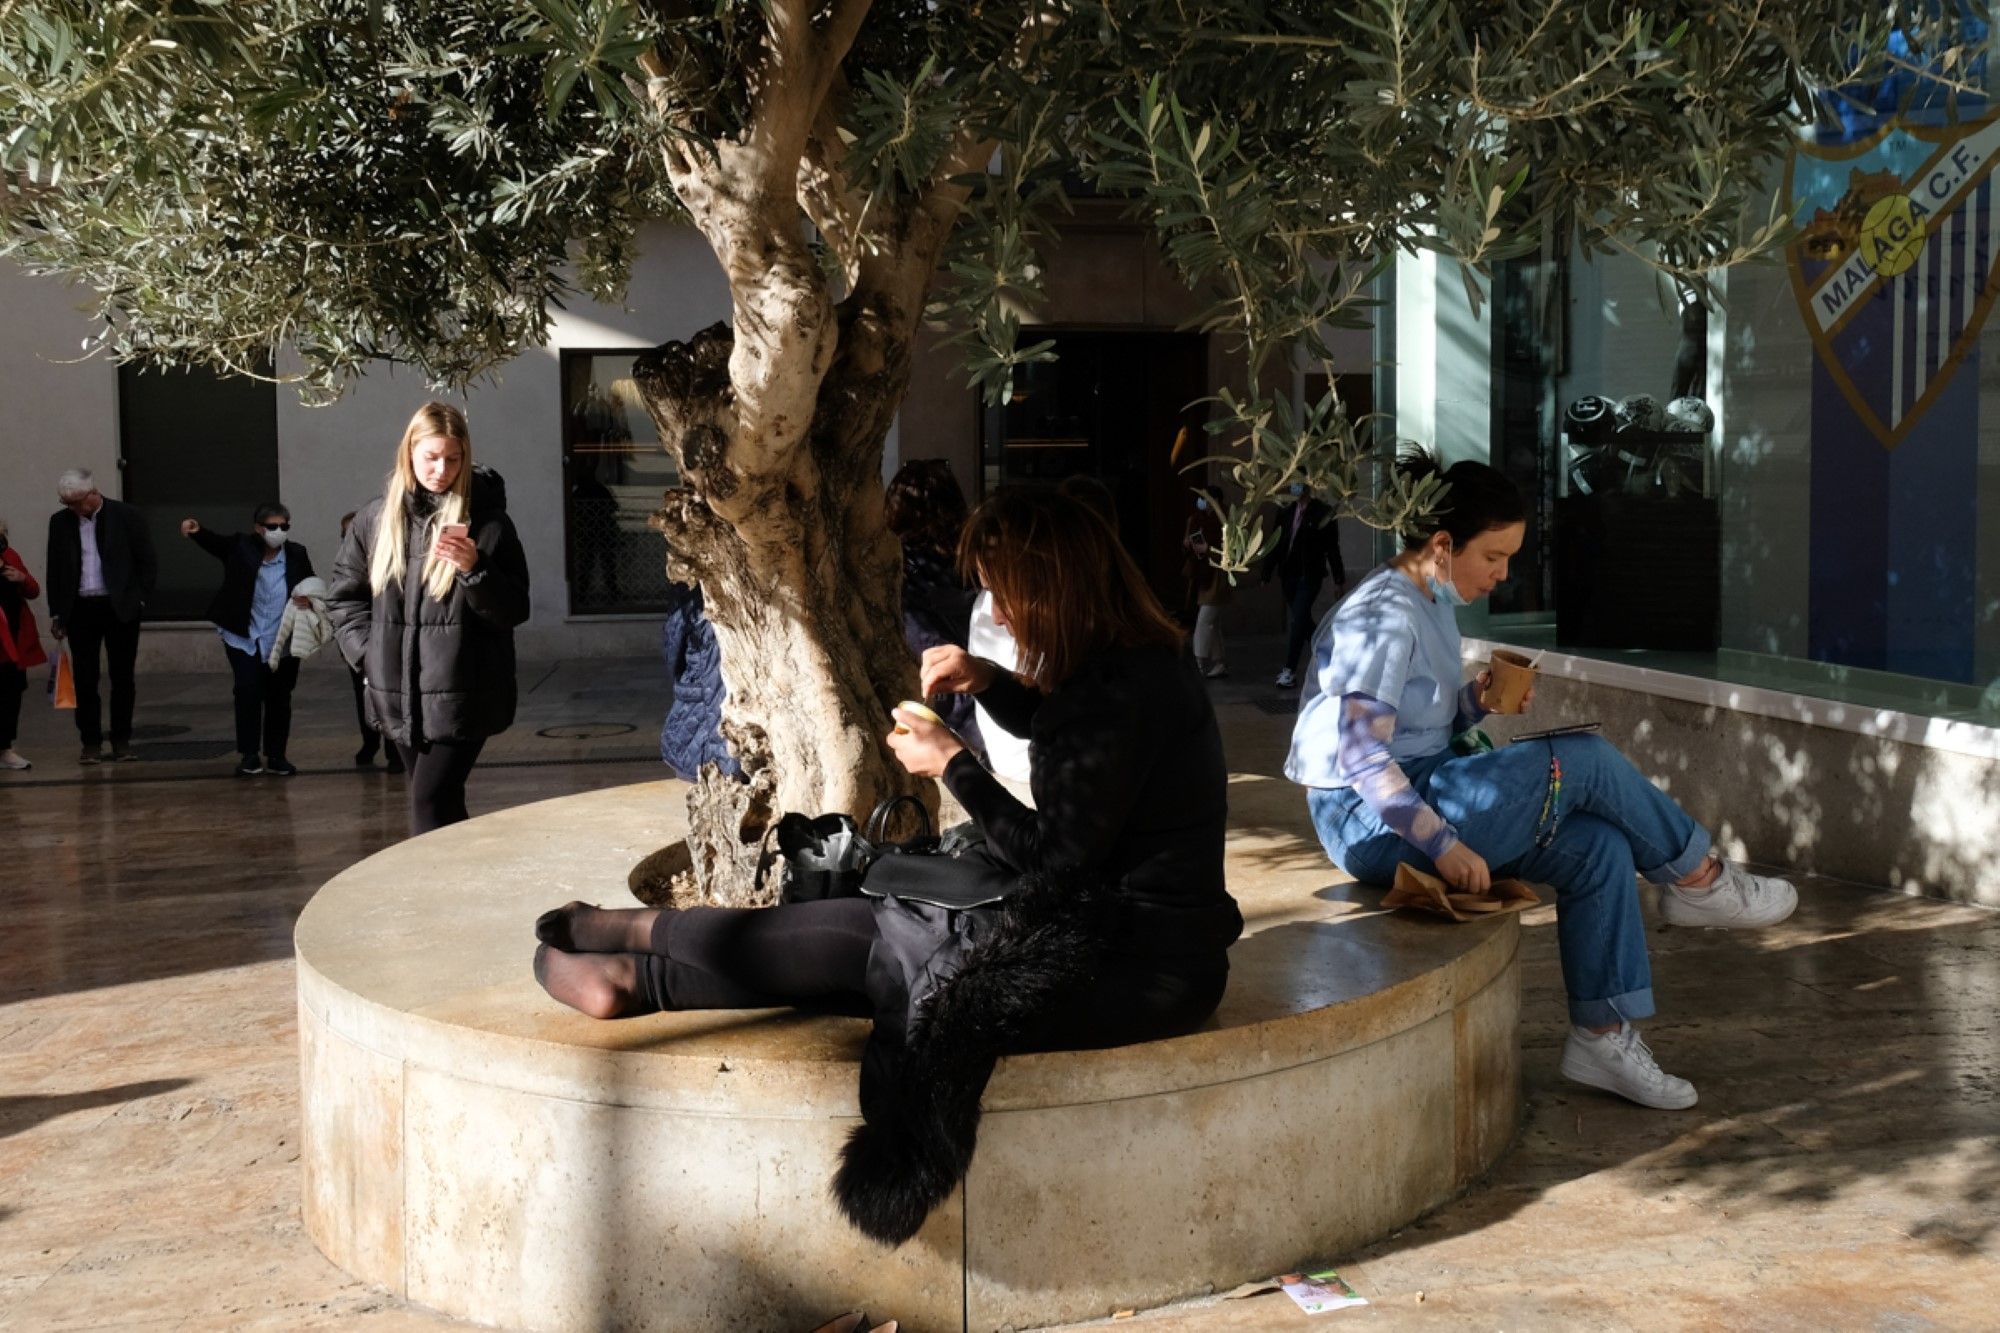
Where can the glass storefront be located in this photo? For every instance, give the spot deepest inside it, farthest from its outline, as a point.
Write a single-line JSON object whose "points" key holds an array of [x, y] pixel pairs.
{"points": [[614, 471]]}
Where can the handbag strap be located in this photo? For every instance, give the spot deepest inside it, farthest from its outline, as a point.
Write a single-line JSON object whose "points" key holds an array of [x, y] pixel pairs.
{"points": [[878, 822]]}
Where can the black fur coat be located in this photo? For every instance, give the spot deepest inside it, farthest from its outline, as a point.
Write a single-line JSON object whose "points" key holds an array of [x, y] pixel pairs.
{"points": [[953, 991]]}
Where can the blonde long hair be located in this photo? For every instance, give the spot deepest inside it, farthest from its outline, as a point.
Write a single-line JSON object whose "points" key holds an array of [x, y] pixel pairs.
{"points": [[385, 570]]}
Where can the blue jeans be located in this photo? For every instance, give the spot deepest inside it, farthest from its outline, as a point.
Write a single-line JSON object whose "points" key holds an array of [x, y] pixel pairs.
{"points": [[1609, 823]]}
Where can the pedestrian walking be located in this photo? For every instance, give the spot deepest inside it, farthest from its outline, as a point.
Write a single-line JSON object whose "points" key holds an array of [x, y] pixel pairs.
{"points": [[1208, 588], [261, 573], [427, 590], [20, 646], [101, 570], [371, 739], [1306, 556]]}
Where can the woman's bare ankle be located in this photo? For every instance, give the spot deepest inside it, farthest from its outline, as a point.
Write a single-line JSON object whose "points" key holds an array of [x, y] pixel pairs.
{"points": [[1704, 875]]}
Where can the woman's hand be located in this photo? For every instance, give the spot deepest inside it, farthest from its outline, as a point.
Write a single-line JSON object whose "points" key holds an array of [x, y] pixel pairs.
{"points": [[1465, 869], [923, 747], [189, 527], [457, 551], [949, 669], [12, 575]]}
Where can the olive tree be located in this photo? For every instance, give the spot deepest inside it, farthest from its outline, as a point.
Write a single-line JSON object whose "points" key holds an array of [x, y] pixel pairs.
{"points": [[354, 181]]}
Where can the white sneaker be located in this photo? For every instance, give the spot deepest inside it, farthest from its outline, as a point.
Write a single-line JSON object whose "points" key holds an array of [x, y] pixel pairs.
{"points": [[1217, 672], [10, 759], [1286, 679], [1738, 900], [1620, 1062]]}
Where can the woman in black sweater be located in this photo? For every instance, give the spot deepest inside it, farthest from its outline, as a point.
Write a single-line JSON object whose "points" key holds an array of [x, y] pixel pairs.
{"points": [[1118, 931]]}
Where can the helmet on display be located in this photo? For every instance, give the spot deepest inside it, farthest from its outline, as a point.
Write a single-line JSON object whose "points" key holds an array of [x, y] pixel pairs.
{"points": [[1590, 420], [1641, 411], [1691, 415]]}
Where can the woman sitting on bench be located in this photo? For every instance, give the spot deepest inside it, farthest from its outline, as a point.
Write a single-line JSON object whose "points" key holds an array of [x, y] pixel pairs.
{"points": [[1373, 745], [1116, 933]]}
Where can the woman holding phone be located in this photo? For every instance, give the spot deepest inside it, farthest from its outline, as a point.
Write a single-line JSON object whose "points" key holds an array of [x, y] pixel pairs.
{"points": [[427, 590]]}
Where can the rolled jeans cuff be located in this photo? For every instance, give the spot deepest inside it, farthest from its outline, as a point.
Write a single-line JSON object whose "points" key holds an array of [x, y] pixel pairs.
{"points": [[1629, 1007], [1686, 863]]}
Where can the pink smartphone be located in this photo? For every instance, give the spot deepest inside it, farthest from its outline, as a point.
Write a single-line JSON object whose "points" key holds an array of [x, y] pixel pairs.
{"points": [[455, 530]]}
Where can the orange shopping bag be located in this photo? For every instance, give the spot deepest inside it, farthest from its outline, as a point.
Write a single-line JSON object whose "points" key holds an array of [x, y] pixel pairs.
{"points": [[62, 682]]}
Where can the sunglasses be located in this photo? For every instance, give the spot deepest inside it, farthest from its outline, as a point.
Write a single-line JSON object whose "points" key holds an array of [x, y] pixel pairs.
{"points": [[277, 527]]}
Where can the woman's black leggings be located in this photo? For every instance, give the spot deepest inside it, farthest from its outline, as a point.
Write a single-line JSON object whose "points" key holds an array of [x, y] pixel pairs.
{"points": [[815, 954], [438, 770]]}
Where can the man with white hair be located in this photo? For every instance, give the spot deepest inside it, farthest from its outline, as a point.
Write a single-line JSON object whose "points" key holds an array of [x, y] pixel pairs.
{"points": [[101, 570]]}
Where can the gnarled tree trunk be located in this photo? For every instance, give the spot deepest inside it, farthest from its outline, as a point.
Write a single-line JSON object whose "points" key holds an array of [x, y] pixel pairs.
{"points": [[777, 420]]}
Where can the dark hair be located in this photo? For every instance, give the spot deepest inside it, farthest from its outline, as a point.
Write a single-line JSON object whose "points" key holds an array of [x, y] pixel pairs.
{"points": [[1477, 498], [1066, 587], [1092, 492], [266, 512], [924, 506]]}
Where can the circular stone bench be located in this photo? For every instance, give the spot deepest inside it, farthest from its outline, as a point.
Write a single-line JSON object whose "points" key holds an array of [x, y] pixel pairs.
{"points": [[473, 1146]]}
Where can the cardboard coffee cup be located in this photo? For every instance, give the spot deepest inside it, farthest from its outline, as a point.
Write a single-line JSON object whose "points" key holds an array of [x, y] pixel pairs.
{"points": [[1513, 676]]}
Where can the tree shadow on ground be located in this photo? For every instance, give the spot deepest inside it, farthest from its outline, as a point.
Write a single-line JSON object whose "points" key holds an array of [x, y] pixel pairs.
{"points": [[19, 1114]]}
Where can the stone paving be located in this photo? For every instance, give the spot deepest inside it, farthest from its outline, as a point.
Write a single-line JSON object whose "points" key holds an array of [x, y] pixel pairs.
{"points": [[1841, 1171]]}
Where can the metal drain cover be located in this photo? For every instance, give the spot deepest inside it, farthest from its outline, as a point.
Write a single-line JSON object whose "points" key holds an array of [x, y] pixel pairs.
{"points": [[586, 731], [183, 751]]}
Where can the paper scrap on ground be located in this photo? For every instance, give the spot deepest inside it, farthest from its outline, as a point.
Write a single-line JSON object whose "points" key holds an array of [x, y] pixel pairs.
{"points": [[1316, 1293]]}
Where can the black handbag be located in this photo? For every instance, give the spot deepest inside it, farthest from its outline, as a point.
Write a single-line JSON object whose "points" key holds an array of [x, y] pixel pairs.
{"points": [[831, 857], [828, 854], [957, 871]]}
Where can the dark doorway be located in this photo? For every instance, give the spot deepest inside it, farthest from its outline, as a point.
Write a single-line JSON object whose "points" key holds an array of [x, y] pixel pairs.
{"points": [[193, 444], [1109, 407]]}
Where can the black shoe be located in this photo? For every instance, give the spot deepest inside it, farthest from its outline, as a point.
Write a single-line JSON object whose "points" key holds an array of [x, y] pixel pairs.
{"points": [[365, 756], [250, 767], [395, 761], [121, 753], [92, 754], [281, 768]]}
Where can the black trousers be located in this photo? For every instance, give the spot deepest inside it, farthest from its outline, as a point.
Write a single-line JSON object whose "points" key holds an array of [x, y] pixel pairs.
{"points": [[1300, 594], [371, 739], [13, 684], [263, 703], [438, 770], [815, 955], [92, 627]]}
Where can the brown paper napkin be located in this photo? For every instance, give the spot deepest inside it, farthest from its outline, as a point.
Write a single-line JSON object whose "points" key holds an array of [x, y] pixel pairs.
{"points": [[1428, 893]]}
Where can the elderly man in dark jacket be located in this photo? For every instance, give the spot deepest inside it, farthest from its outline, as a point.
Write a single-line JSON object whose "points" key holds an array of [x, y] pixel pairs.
{"points": [[101, 570]]}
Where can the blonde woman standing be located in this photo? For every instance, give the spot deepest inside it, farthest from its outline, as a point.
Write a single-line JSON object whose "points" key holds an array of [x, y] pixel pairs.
{"points": [[427, 590]]}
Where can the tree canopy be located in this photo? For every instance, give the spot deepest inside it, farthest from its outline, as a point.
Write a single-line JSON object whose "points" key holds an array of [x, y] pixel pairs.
{"points": [[367, 179]]}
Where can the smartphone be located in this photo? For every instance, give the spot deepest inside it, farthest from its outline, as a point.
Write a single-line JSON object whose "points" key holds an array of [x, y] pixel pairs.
{"points": [[455, 530], [1576, 729]]}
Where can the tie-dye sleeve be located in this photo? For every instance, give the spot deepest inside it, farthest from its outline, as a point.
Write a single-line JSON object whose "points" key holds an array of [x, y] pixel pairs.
{"points": [[1367, 725], [1469, 711]]}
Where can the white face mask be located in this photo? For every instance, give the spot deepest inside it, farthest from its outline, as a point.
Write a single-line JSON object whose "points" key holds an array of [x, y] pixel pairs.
{"points": [[1444, 588], [274, 540]]}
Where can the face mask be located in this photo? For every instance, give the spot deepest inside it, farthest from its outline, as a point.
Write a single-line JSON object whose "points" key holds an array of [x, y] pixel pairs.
{"points": [[274, 538], [1200, 504], [1447, 591], [1298, 488]]}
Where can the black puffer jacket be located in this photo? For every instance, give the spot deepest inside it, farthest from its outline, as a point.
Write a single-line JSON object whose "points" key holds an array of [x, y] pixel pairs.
{"points": [[435, 670]]}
